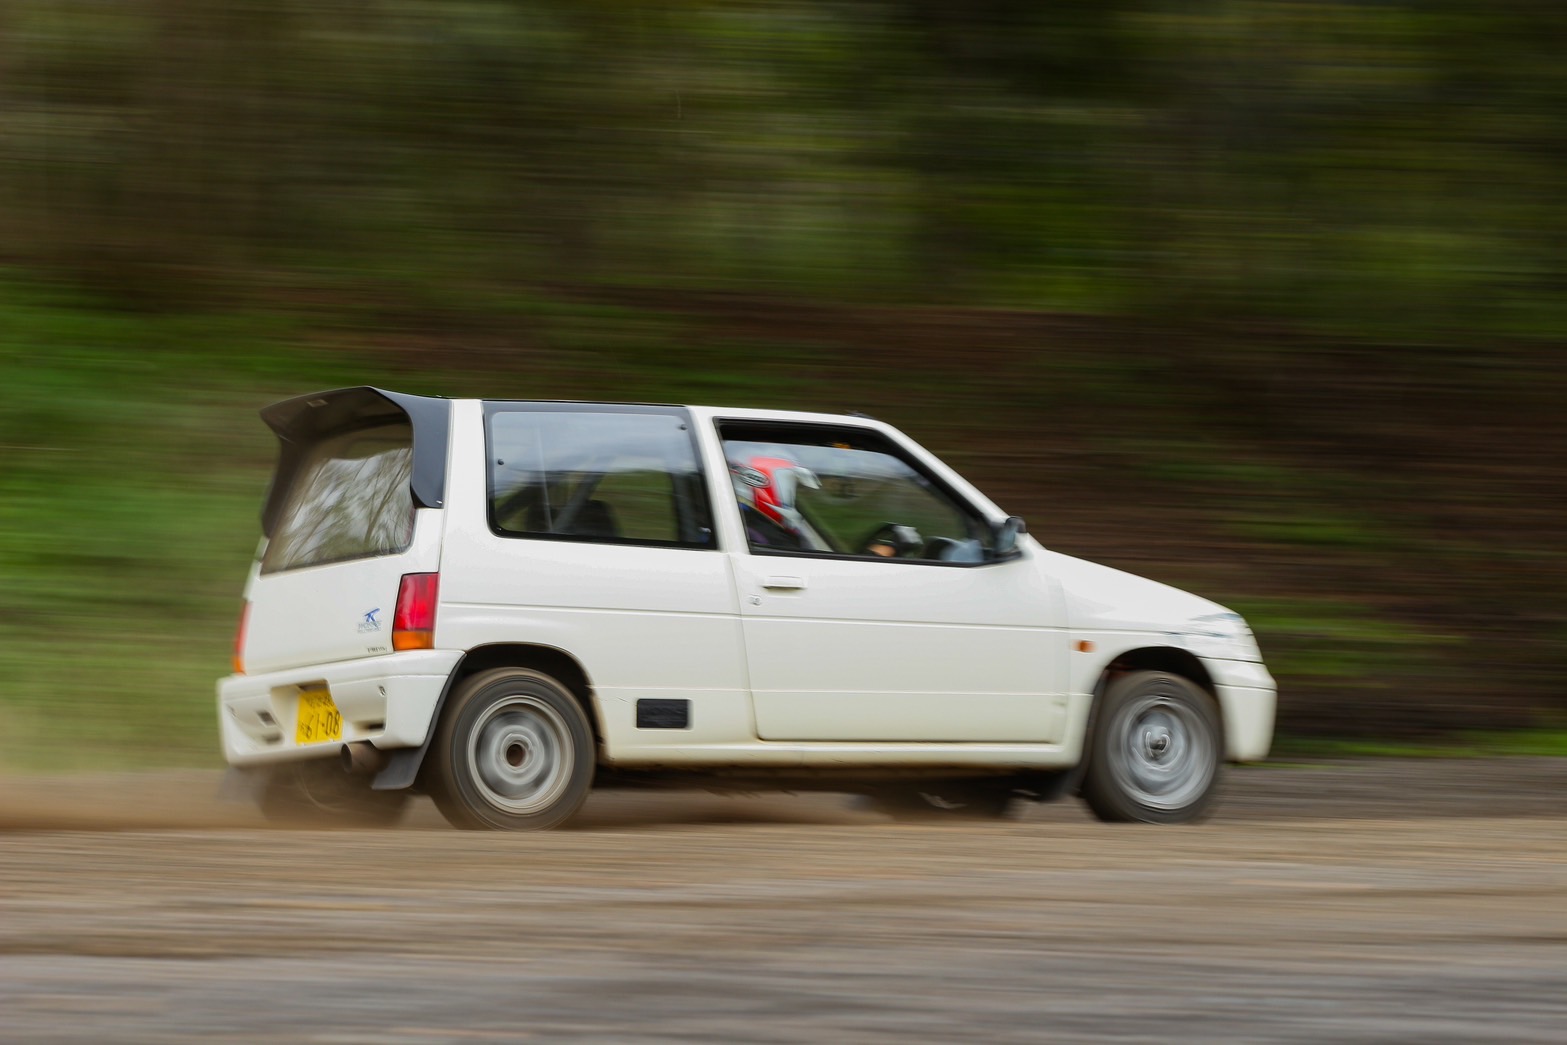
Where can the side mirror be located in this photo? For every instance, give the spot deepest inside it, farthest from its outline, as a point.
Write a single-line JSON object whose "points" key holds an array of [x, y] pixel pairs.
{"points": [[1007, 534]]}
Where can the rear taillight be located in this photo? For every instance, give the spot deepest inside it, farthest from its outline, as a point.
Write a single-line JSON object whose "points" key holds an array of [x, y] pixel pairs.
{"points": [[413, 626], [239, 639]]}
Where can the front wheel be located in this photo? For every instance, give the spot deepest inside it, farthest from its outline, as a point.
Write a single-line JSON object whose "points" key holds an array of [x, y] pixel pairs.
{"points": [[1156, 753], [513, 752]]}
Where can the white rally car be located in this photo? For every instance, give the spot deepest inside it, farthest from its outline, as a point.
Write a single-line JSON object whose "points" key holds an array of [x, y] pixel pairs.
{"points": [[503, 604]]}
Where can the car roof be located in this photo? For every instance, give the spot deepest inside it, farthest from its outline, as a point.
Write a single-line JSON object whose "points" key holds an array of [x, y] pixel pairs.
{"points": [[735, 413], [755, 414], [278, 414]]}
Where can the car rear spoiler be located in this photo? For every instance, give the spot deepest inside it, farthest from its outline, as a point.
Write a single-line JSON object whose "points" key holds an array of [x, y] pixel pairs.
{"points": [[306, 420]]}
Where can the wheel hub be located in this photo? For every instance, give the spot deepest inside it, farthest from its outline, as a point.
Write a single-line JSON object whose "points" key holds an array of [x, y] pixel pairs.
{"points": [[1165, 755], [520, 755], [1156, 742]]}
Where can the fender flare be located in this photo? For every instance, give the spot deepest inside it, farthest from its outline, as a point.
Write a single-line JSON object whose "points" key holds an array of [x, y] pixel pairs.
{"points": [[402, 765], [1072, 779]]}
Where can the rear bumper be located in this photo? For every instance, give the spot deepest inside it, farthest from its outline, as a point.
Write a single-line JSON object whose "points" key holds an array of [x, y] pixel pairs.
{"points": [[1248, 699], [389, 701]]}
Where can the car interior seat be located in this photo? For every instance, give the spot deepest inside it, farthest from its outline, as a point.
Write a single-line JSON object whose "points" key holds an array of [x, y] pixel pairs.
{"points": [[594, 519]]}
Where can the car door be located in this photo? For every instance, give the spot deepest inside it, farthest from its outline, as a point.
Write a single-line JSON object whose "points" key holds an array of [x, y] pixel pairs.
{"points": [[873, 607]]}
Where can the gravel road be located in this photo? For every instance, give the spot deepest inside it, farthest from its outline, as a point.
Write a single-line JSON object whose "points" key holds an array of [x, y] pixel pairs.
{"points": [[1396, 901]]}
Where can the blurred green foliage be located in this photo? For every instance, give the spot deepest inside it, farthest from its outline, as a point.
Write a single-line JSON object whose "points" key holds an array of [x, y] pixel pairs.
{"points": [[1261, 297], [1389, 167], [128, 500]]}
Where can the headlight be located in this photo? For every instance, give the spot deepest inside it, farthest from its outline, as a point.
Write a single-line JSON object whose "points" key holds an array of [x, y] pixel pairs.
{"points": [[1222, 636]]}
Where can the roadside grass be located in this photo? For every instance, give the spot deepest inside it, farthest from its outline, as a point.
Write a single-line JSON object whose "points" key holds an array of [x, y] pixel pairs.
{"points": [[1271, 500], [133, 468], [1330, 639], [1318, 522], [1544, 742]]}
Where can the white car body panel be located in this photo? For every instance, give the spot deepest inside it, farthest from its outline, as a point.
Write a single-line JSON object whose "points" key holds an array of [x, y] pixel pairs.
{"points": [[1102, 598], [1247, 708], [788, 661], [335, 611], [389, 701], [882, 651], [1117, 612], [644, 622]]}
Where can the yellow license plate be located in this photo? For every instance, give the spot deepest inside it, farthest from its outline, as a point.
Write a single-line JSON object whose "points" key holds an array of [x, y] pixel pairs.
{"points": [[319, 719]]}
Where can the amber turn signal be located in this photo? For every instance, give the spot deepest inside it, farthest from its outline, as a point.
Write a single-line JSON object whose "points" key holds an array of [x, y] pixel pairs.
{"points": [[239, 639]]}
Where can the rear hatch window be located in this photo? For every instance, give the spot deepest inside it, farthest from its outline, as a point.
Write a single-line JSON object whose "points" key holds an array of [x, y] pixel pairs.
{"points": [[349, 498]]}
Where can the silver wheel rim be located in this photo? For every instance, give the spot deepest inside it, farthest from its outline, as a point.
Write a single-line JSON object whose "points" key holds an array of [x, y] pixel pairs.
{"points": [[520, 755], [1162, 752]]}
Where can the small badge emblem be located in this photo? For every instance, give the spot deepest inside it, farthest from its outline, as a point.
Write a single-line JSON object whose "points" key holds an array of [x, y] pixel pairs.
{"points": [[369, 622]]}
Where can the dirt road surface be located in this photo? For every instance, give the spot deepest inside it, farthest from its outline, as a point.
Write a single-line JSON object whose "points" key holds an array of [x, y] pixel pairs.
{"points": [[1407, 901]]}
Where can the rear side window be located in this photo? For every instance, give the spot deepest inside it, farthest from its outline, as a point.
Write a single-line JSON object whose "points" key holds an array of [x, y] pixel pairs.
{"points": [[349, 499], [614, 477]]}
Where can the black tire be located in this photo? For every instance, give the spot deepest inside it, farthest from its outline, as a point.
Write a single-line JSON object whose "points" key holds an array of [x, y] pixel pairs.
{"points": [[942, 800], [1157, 752], [320, 794], [513, 752]]}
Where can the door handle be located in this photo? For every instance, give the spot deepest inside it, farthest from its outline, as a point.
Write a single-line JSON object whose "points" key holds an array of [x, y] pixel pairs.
{"points": [[784, 584]]}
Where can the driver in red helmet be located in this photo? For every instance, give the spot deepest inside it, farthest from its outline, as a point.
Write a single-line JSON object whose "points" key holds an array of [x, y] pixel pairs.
{"points": [[765, 488]]}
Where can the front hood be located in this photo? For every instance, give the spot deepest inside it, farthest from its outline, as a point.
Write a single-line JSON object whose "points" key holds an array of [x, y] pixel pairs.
{"points": [[1099, 598]]}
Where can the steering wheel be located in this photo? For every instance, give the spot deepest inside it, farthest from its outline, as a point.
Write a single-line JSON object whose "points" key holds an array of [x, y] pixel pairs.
{"points": [[902, 539], [939, 549]]}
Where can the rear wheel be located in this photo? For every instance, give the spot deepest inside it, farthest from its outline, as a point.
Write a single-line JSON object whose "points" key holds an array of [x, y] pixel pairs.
{"points": [[1156, 753], [319, 793], [513, 751]]}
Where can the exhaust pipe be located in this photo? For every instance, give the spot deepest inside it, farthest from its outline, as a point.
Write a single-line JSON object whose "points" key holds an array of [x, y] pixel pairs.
{"points": [[362, 758]]}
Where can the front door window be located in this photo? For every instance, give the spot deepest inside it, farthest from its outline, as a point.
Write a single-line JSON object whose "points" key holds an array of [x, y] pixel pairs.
{"points": [[811, 489]]}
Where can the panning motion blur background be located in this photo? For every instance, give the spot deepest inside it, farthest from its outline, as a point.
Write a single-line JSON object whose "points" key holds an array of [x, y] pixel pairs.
{"points": [[1264, 299]]}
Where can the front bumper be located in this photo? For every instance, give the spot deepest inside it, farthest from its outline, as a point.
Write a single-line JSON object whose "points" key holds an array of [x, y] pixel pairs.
{"points": [[1248, 700], [389, 701]]}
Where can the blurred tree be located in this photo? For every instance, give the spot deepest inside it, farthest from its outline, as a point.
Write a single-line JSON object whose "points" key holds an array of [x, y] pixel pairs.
{"points": [[1385, 166]]}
